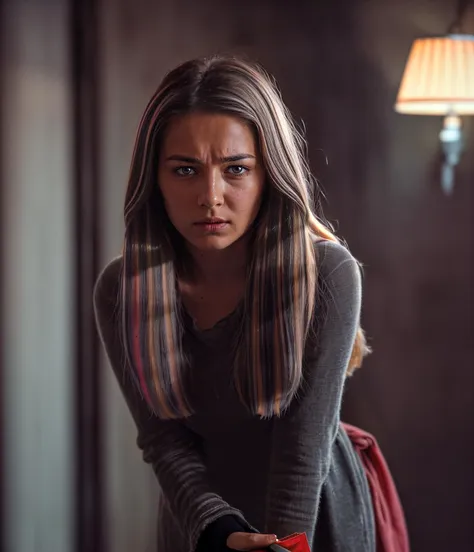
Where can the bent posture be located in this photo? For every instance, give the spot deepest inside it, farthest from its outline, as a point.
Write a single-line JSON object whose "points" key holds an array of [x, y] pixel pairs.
{"points": [[232, 320]]}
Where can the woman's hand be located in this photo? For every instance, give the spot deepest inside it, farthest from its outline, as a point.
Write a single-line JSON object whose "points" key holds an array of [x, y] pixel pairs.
{"points": [[250, 541]]}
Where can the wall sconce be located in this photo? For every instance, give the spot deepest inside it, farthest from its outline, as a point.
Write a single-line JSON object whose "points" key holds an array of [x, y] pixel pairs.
{"points": [[439, 80]]}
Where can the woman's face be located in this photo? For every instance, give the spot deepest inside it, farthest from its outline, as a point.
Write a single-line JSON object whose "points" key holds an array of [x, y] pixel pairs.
{"points": [[211, 178]]}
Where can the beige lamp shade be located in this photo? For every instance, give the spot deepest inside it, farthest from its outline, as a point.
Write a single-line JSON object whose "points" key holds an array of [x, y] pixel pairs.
{"points": [[438, 77]]}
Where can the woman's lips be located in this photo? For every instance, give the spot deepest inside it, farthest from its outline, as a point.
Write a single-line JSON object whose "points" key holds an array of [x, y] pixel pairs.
{"points": [[212, 226]]}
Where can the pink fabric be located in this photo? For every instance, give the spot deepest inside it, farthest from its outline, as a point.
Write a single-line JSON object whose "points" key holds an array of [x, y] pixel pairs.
{"points": [[391, 529]]}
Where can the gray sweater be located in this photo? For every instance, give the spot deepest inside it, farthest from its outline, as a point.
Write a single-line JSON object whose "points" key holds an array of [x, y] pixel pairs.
{"points": [[297, 473]]}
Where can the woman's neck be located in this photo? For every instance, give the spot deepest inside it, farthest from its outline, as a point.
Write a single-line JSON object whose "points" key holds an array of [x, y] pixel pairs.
{"points": [[217, 267]]}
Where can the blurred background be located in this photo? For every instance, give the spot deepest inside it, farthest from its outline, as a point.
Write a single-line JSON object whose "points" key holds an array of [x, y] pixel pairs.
{"points": [[75, 78]]}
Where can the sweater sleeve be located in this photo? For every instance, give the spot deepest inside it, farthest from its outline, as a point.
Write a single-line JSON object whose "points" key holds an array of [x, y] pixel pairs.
{"points": [[173, 450], [214, 537], [302, 438]]}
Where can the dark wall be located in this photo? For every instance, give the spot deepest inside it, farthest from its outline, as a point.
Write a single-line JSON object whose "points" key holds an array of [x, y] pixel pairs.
{"points": [[339, 65]]}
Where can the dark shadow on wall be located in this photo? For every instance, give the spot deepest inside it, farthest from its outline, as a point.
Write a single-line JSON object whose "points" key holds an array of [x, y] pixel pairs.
{"points": [[85, 44], [2, 258]]}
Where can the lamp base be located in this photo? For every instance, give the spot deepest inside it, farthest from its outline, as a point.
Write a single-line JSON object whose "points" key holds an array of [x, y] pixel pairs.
{"points": [[452, 144]]}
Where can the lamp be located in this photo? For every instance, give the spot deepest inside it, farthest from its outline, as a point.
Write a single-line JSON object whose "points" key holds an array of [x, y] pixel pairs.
{"points": [[439, 80]]}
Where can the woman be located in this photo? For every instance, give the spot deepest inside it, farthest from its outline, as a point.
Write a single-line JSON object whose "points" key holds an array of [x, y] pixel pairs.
{"points": [[232, 320]]}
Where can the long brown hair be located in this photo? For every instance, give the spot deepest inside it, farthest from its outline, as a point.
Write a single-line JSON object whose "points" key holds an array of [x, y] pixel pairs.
{"points": [[282, 279]]}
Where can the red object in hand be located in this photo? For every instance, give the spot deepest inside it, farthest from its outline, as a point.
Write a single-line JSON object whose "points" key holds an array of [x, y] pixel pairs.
{"points": [[293, 543]]}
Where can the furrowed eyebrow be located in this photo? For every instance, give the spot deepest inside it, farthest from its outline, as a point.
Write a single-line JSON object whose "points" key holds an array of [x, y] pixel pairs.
{"points": [[196, 161], [238, 157]]}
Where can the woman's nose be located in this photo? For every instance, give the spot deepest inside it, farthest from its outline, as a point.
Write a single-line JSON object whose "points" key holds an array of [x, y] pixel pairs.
{"points": [[211, 193]]}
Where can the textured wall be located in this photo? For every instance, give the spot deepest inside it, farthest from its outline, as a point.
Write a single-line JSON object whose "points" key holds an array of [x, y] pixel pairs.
{"points": [[339, 66]]}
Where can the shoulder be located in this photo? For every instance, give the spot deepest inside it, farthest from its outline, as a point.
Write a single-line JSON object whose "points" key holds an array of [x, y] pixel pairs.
{"points": [[333, 260], [107, 288], [339, 281]]}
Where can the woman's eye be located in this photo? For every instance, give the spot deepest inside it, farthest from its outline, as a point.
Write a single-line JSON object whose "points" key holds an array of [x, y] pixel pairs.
{"points": [[237, 170], [184, 171]]}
